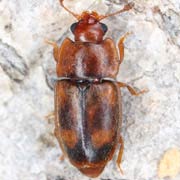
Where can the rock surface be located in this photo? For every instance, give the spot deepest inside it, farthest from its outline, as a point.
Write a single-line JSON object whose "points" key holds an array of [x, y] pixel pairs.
{"points": [[151, 122]]}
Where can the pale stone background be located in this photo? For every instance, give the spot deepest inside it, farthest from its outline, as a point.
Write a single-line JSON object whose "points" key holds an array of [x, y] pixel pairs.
{"points": [[151, 123]]}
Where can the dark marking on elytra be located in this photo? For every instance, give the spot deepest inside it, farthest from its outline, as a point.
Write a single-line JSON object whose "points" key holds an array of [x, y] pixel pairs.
{"points": [[77, 153], [66, 115]]}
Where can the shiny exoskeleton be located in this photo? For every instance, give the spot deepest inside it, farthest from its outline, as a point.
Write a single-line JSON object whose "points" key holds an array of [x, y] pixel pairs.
{"points": [[87, 96]]}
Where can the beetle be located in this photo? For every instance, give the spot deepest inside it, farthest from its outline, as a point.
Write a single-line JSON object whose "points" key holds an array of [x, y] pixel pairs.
{"points": [[88, 111]]}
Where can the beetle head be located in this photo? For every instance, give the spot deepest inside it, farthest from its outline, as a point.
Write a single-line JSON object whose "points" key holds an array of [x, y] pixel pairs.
{"points": [[88, 28]]}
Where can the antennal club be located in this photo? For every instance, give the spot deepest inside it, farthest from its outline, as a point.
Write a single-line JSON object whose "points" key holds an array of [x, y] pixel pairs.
{"points": [[127, 7], [74, 14]]}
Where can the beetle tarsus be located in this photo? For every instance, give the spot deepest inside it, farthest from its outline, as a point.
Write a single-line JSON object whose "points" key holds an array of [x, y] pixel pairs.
{"points": [[119, 159], [120, 169], [129, 6], [52, 43]]}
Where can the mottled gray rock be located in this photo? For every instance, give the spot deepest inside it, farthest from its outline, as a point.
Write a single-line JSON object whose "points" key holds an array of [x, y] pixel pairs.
{"points": [[12, 63], [151, 123]]}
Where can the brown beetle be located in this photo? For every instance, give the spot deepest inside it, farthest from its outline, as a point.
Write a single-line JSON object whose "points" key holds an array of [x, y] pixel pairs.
{"points": [[87, 96]]}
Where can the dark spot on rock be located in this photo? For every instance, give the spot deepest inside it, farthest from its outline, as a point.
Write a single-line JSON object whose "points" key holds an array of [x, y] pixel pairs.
{"points": [[59, 178], [156, 9], [47, 140], [53, 177], [8, 27], [53, 23]]}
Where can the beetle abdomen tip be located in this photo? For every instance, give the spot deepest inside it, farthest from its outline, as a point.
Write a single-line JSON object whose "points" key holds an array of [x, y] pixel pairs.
{"points": [[92, 171]]}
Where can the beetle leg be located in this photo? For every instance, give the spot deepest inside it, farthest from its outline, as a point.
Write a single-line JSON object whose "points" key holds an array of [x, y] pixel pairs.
{"points": [[62, 157], [55, 49], [121, 46], [118, 161], [131, 90], [50, 116]]}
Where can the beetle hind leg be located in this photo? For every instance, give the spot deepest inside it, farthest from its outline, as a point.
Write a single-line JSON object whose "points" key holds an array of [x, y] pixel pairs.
{"points": [[119, 159], [62, 157], [131, 90]]}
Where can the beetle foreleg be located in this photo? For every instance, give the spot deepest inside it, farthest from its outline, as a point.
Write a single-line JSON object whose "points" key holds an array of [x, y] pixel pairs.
{"points": [[121, 46], [131, 90], [118, 162], [55, 49]]}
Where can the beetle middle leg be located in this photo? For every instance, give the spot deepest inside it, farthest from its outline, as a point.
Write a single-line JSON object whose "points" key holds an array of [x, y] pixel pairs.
{"points": [[118, 161], [121, 46], [50, 117], [131, 90]]}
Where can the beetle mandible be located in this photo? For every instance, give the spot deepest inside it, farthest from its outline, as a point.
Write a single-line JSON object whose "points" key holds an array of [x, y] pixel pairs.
{"points": [[87, 97]]}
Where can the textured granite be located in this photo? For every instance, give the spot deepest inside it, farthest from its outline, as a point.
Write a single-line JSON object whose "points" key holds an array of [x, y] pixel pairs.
{"points": [[151, 122]]}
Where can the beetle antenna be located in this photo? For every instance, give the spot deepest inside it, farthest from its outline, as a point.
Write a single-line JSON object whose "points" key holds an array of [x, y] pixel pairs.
{"points": [[127, 7], [74, 14]]}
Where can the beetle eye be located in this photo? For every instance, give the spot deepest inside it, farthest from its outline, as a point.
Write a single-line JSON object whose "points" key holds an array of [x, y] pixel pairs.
{"points": [[104, 27], [73, 26]]}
